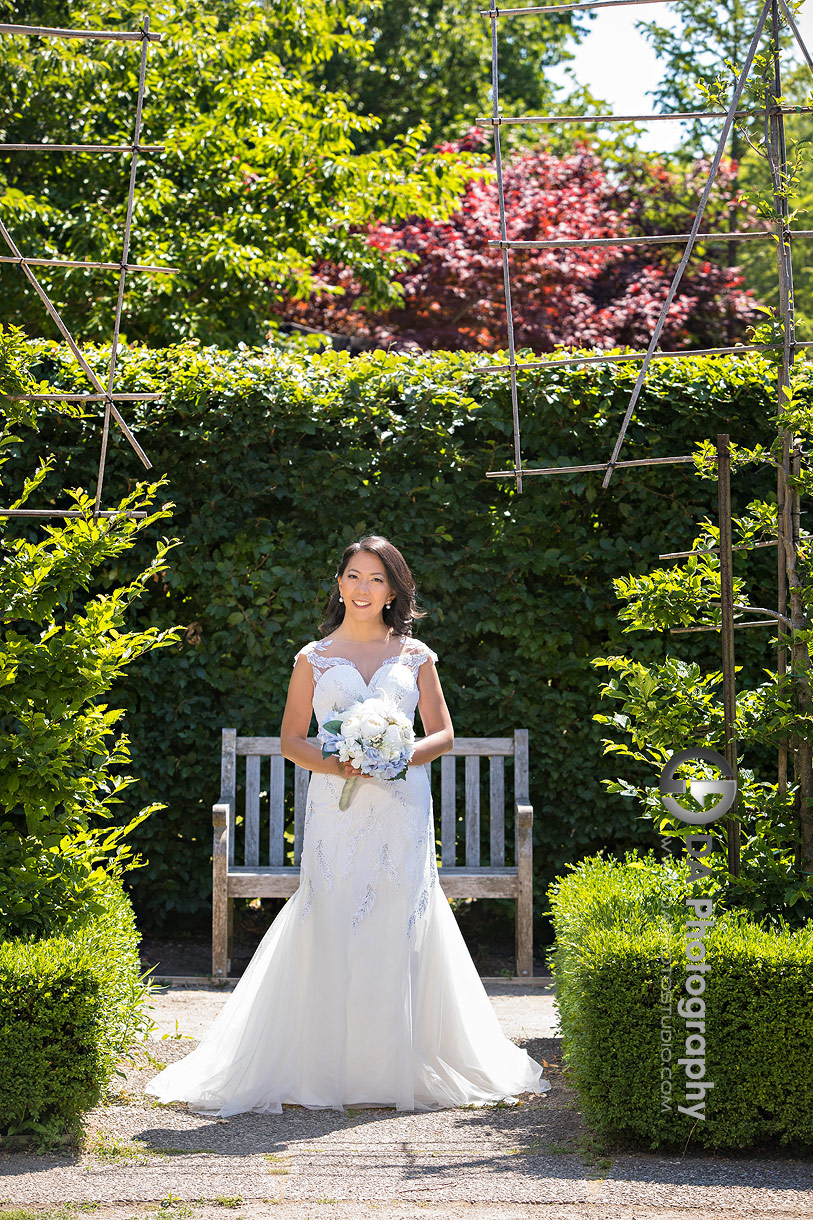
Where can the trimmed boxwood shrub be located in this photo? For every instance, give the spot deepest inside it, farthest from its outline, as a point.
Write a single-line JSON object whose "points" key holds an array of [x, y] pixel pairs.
{"points": [[69, 1005], [275, 461], [620, 963]]}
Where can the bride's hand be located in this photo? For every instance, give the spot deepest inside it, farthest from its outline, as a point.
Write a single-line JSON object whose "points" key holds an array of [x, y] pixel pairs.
{"points": [[348, 771]]}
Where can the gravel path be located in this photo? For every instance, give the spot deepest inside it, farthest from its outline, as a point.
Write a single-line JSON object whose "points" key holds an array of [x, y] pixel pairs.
{"points": [[144, 1159]]}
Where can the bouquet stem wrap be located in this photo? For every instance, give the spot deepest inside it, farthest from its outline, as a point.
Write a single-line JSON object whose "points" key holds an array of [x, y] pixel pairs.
{"points": [[348, 788]]}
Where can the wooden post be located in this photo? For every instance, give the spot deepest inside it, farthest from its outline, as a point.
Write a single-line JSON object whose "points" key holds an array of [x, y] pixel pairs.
{"points": [[790, 600], [777, 155], [524, 822], [727, 636], [222, 852]]}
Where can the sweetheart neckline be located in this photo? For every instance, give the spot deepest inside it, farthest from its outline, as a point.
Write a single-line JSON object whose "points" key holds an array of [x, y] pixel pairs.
{"points": [[353, 665]]}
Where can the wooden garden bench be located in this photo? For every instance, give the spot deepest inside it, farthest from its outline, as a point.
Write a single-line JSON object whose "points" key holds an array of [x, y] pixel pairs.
{"points": [[265, 784]]}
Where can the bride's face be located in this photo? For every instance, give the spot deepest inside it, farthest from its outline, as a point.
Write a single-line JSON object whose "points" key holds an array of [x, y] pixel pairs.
{"points": [[365, 587]]}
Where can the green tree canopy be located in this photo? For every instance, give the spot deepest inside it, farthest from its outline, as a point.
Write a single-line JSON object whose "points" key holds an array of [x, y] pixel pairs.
{"points": [[700, 48], [703, 51], [431, 60], [758, 259], [260, 178]]}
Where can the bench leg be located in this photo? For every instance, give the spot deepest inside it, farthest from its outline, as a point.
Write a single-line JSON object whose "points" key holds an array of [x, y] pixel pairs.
{"points": [[525, 894], [222, 844], [220, 934], [221, 904]]}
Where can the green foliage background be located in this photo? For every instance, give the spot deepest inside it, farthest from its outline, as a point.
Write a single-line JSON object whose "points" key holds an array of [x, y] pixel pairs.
{"points": [[275, 462], [428, 61], [260, 178]]}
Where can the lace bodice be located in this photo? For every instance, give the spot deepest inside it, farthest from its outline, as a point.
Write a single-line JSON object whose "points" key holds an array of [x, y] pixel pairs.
{"points": [[338, 682]]}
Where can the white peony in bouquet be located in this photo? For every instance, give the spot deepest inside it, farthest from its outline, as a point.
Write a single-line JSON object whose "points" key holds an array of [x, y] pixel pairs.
{"points": [[372, 735]]}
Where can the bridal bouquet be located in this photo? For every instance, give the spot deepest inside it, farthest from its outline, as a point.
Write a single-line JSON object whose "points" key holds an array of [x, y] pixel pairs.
{"points": [[372, 735]]}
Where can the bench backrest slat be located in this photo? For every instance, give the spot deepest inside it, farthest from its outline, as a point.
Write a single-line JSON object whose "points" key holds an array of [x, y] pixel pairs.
{"points": [[228, 778], [447, 809], [520, 777], [276, 838], [251, 845], [472, 811], [472, 749], [301, 779], [496, 811]]}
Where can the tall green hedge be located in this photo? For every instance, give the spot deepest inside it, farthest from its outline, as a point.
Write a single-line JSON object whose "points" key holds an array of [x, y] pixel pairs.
{"points": [[276, 461]]}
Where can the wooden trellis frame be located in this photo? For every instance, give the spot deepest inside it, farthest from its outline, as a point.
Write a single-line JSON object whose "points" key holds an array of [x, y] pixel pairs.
{"points": [[787, 498], [102, 393], [774, 115]]}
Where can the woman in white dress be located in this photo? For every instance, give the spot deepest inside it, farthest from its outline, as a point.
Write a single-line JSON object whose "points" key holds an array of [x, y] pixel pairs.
{"points": [[362, 991]]}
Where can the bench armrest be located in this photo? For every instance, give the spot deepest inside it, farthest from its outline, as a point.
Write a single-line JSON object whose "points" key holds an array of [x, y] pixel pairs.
{"points": [[222, 813], [524, 814]]}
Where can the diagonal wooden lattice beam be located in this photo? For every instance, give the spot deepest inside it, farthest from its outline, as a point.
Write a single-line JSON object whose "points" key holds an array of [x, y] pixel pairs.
{"points": [[71, 342], [506, 270], [102, 394], [128, 222], [678, 276], [795, 31]]}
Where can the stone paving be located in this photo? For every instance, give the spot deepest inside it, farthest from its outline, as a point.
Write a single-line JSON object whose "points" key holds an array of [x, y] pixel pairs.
{"points": [[141, 1158]]}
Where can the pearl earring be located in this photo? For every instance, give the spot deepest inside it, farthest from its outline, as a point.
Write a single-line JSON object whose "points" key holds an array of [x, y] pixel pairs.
{"points": [[341, 599]]}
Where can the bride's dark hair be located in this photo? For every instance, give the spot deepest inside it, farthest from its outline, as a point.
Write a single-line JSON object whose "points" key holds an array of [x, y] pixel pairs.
{"points": [[404, 608]]}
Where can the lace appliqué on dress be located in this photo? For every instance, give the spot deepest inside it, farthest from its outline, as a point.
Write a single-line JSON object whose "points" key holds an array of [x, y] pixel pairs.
{"points": [[324, 867], [308, 903], [319, 662], [364, 907], [420, 907], [413, 654], [388, 865]]}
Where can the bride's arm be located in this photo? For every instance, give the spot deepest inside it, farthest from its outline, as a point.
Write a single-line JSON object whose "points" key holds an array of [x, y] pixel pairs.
{"points": [[435, 718], [296, 721]]}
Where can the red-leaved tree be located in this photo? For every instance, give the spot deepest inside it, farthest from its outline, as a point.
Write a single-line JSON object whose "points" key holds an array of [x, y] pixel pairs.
{"points": [[590, 297]]}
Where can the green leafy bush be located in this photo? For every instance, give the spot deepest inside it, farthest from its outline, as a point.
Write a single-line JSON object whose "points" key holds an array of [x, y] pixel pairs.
{"points": [[69, 1006], [274, 462], [671, 705], [620, 963], [62, 645]]}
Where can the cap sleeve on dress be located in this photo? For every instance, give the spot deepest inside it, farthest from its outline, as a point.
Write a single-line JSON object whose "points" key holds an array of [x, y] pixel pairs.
{"points": [[305, 651], [417, 652]]}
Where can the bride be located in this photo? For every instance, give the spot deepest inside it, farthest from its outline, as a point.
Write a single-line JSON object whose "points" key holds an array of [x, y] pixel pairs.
{"points": [[362, 991]]}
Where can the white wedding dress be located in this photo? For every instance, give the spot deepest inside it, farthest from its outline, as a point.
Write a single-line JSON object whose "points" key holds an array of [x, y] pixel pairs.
{"points": [[362, 991]]}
